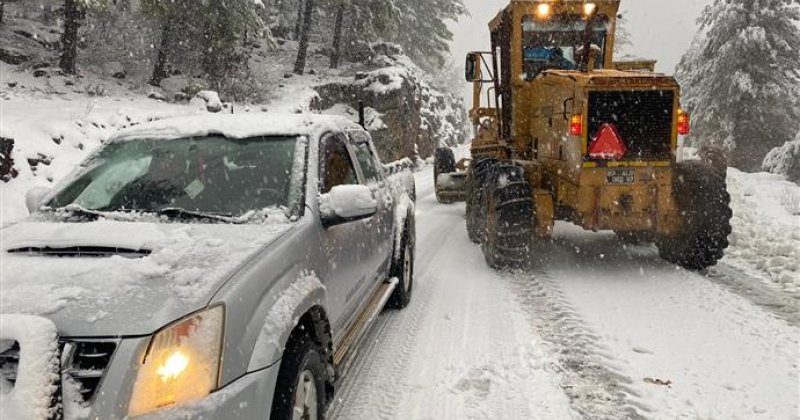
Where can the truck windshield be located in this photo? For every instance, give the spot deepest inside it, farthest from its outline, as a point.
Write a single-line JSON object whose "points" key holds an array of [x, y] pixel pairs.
{"points": [[557, 43], [209, 175]]}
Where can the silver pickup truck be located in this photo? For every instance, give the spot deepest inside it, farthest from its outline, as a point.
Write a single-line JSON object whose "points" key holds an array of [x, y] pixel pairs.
{"points": [[213, 267]]}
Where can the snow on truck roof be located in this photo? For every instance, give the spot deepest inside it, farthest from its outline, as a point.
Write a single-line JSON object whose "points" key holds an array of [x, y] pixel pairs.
{"points": [[237, 126]]}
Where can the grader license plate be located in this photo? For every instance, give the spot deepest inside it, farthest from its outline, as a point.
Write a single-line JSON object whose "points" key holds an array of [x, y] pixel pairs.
{"points": [[621, 176]]}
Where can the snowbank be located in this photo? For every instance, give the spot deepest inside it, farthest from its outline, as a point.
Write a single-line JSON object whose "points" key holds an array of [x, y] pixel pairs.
{"points": [[766, 228], [37, 373]]}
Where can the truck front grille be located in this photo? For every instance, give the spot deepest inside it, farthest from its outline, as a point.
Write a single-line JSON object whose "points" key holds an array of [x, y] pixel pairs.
{"points": [[643, 119], [83, 364], [9, 361]]}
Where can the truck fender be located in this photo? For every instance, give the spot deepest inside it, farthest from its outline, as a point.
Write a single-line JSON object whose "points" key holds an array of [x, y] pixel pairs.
{"points": [[300, 297]]}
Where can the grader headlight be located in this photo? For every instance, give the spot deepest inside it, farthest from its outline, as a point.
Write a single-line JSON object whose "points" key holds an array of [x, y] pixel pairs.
{"points": [[544, 10], [589, 9]]}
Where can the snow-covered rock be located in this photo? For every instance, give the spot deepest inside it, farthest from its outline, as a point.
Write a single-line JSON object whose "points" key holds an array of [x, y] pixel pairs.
{"points": [[208, 100], [785, 160]]}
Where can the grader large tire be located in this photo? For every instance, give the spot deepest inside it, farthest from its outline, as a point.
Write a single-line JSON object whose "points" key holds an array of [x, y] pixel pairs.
{"points": [[509, 226], [444, 162], [704, 202], [476, 210]]}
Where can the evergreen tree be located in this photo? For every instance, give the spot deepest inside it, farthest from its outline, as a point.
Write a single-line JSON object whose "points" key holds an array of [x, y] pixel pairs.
{"points": [[170, 14], [740, 78], [74, 13], [226, 24], [305, 33]]}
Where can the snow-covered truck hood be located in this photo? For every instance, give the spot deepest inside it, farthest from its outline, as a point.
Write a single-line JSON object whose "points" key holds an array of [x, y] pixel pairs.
{"points": [[122, 295]]}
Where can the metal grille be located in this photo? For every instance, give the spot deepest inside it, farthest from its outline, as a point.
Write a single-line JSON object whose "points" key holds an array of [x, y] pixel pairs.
{"points": [[84, 363], [9, 361], [643, 119]]}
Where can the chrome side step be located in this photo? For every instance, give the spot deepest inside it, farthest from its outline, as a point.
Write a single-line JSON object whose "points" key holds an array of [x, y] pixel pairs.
{"points": [[346, 348]]}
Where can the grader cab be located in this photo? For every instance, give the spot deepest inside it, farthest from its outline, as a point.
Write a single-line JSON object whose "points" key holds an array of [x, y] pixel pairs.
{"points": [[564, 133]]}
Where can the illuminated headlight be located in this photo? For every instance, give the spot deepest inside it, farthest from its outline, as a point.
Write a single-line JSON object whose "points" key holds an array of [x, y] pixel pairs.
{"points": [[589, 9], [182, 363], [543, 10]]}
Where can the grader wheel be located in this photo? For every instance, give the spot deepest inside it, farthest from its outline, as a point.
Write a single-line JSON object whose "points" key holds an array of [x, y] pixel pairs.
{"points": [[477, 175], [704, 202], [510, 218]]}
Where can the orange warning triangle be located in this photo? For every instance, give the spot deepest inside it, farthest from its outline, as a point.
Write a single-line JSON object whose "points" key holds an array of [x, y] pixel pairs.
{"points": [[607, 144]]}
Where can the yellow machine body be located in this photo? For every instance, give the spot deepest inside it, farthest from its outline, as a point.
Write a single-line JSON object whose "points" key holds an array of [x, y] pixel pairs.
{"points": [[527, 118]]}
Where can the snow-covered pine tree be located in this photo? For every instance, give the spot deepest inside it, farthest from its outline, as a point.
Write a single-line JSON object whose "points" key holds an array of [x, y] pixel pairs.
{"points": [[225, 24], [74, 13], [423, 31], [740, 78]]}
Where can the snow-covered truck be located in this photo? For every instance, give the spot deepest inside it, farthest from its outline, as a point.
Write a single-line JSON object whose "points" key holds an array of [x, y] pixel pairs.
{"points": [[216, 267]]}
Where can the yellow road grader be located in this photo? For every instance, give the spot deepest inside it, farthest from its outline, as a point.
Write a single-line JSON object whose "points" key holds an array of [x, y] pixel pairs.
{"points": [[562, 132]]}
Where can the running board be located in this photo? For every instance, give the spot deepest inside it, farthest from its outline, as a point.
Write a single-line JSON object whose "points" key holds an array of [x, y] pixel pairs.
{"points": [[345, 351]]}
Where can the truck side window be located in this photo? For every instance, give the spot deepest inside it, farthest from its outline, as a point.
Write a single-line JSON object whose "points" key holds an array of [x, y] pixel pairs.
{"points": [[336, 167], [367, 160]]}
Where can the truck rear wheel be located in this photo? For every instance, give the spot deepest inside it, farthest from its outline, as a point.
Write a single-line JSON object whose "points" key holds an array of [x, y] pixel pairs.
{"points": [[509, 223], [444, 162], [703, 201], [476, 214]]}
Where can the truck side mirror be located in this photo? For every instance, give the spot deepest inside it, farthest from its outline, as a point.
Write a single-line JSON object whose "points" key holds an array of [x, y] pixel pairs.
{"points": [[347, 203], [34, 198], [471, 67]]}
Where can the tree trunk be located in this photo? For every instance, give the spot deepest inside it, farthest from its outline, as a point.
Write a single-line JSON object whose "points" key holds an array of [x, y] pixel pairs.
{"points": [[160, 68], [69, 39], [336, 56], [302, 51], [298, 24]]}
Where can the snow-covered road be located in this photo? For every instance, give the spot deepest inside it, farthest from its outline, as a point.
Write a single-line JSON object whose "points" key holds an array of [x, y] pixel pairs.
{"points": [[600, 331]]}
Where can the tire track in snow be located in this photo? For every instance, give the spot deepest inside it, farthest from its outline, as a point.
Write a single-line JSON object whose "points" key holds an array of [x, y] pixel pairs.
{"points": [[375, 383], [592, 384], [782, 305]]}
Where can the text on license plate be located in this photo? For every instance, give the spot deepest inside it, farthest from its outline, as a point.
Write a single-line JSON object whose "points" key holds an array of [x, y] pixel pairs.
{"points": [[621, 176]]}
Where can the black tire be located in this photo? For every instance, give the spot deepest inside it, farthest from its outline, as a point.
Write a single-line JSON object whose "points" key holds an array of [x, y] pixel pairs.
{"points": [[509, 229], [444, 161], [301, 355], [476, 214], [403, 268], [704, 203]]}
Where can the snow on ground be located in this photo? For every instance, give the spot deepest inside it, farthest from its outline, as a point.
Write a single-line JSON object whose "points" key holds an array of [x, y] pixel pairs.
{"points": [[766, 228], [461, 350], [599, 331]]}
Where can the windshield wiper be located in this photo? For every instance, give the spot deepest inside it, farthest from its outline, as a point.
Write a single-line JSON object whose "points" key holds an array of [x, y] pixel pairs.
{"points": [[179, 213], [78, 211]]}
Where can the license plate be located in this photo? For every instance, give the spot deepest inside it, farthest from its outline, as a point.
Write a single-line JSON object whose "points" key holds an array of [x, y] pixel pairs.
{"points": [[621, 176]]}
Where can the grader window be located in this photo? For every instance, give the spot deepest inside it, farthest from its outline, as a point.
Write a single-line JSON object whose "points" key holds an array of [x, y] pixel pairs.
{"points": [[556, 43]]}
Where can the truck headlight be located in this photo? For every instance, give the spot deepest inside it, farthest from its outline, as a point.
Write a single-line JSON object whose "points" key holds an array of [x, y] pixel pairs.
{"points": [[182, 363]]}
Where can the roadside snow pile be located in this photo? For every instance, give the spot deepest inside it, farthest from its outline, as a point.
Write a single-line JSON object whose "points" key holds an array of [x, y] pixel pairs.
{"points": [[766, 228], [37, 373], [785, 160]]}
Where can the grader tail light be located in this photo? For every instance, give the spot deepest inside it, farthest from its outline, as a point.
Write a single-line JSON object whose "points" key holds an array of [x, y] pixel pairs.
{"points": [[576, 125], [683, 123]]}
